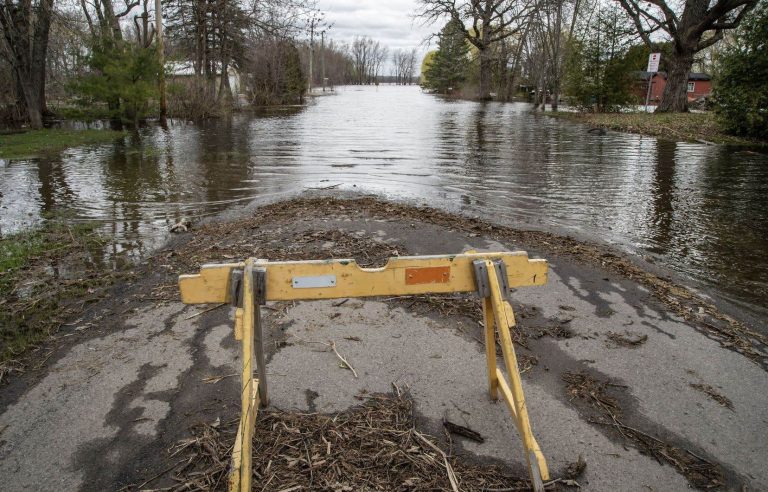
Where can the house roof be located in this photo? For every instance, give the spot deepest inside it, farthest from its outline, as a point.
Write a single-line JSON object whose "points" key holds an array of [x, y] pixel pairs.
{"points": [[187, 69], [179, 68], [642, 75]]}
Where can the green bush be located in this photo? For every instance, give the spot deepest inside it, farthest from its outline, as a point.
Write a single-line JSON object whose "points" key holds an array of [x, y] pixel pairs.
{"points": [[124, 76], [447, 69], [741, 89]]}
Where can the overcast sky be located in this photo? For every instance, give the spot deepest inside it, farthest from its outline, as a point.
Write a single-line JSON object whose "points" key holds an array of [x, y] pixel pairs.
{"points": [[388, 21]]}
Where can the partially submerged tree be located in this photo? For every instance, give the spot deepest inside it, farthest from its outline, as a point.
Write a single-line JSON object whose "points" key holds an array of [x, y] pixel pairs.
{"points": [[598, 75], [123, 72], [693, 26], [403, 66], [447, 69], [483, 23], [367, 58], [25, 27], [553, 25]]}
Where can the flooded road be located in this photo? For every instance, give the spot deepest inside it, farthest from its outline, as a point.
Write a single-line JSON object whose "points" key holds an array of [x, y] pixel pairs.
{"points": [[700, 210]]}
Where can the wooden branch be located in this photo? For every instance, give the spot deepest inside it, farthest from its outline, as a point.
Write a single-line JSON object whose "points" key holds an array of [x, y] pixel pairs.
{"points": [[712, 22], [128, 8], [706, 43], [644, 34]]}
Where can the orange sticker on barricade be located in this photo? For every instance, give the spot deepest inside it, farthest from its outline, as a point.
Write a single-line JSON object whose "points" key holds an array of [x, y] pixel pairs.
{"points": [[427, 275]]}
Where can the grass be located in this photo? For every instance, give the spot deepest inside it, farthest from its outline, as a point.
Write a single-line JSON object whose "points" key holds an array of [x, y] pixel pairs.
{"points": [[47, 276], [36, 142], [691, 127]]}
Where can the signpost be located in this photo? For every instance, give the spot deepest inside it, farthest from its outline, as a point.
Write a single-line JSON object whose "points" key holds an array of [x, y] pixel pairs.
{"points": [[653, 68]]}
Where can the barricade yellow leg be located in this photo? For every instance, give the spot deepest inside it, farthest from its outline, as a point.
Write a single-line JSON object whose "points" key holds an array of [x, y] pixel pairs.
{"points": [[246, 317], [513, 393], [490, 348]]}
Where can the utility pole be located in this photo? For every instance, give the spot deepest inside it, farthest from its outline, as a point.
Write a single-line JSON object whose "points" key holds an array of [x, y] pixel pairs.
{"points": [[317, 20], [161, 60], [322, 57], [311, 51]]}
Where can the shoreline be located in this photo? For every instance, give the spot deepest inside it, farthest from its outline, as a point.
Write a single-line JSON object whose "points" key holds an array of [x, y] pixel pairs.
{"points": [[690, 127], [34, 143], [722, 319]]}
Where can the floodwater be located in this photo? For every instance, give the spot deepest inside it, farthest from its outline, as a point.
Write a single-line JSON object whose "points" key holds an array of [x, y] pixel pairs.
{"points": [[699, 210]]}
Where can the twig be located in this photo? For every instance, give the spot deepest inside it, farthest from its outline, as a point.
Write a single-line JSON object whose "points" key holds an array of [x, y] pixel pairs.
{"points": [[216, 379], [448, 467], [332, 345], [462, 431], [343, 360], [204, 311]]}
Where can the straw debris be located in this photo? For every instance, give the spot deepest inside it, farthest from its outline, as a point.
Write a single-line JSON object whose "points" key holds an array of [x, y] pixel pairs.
{"points": [[371, 447], [700, 473], [626, 339], [467, 305], [714, 394]]}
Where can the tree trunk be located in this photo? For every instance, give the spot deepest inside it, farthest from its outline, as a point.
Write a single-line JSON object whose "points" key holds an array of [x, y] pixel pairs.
{"points": [[26, 36], [484, 93], [504, 71], [675, 96], [555, 95], [225, 90]]}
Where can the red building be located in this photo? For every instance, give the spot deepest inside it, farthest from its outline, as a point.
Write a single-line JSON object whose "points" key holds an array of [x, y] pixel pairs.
{"points": [[699, 85]]}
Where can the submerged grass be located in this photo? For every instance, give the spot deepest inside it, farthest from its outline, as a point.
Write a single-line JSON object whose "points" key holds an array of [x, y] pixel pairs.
{"points": [[47, 276], [692, 127], [35, 142]]}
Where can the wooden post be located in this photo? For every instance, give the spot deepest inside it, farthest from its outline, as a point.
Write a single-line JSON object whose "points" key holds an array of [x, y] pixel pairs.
{"points": [[246, 396], [490, 348], [259, 279], [648, 94]]}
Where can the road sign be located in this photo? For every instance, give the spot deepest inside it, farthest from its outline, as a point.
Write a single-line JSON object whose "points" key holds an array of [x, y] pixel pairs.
{"points": [[653, 62]]}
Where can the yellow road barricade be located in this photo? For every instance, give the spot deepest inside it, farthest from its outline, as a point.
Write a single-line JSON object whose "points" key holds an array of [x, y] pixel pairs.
{"points": [[250, 284]]}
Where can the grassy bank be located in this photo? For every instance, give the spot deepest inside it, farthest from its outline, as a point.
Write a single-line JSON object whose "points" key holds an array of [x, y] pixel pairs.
{"points": [[691, 127], [36, 142], [47, 276]]}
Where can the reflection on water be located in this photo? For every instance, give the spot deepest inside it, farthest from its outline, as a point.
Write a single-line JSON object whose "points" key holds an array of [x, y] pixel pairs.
{"points": [[700, 210]]}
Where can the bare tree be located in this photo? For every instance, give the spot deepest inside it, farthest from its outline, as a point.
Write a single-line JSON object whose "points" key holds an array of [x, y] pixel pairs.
{"points": [[403, 66], [26, 27], [360, 58], [555, 22], [367, 58], [397, 65], [693, 25], [485, 22], [409, 66], [380, 54]]}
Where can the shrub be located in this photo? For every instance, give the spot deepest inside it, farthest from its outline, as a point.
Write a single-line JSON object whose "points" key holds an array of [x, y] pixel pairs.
{"points": [[741, 90]]}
